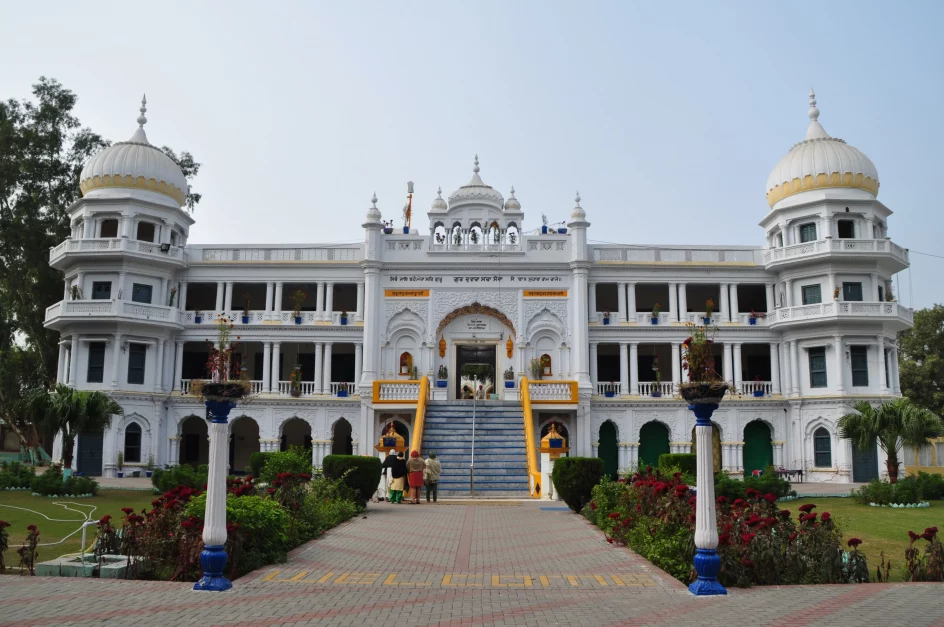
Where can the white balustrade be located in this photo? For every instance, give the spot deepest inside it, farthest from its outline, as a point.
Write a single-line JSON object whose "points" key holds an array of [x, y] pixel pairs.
{"points": [[648, 254], [760, 320], [255, 387], [93, 245], [842, 309], [124, 308], [399, 391], [807, 249], [542, 391], [186, 384], [214, 254], [750, 387], [603, 388], [307, 388], [698, 317], [646, 388], [342, 385], [646, 317]]}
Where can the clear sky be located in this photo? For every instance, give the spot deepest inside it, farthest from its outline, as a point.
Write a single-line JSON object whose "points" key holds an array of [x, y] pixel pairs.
{"points": [[667, 117]]}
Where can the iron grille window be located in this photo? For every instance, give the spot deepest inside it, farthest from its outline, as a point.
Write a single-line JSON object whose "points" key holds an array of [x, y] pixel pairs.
{"points": [[822, 449], [137, 355], [133, 443], [860, 365], [852, 291], [101, 290], [807, 232], [818, 367], [96, 362], [812, 294], [141, 293]]}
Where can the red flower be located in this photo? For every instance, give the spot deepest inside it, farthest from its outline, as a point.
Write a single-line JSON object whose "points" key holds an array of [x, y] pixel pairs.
{"points": [[613, 515], [751, 493], [928, 536], [4, 524], [127, 510], [931, 530], [825, 517], [724, 538], [807, 517], [854, 542], [793, 536], [304, 475], [785, 514], [593, 505], [770, 521], [806, 509], [913, 536], [770, 497], [270, 490], [753, 521], [188, 524], [31, 528], [747, 537], [722, 499], [747, 563], [740, 502], [627, 522]]}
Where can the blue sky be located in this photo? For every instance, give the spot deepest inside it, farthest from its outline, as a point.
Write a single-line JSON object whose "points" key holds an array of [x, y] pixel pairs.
{"points": [[667, 117]]}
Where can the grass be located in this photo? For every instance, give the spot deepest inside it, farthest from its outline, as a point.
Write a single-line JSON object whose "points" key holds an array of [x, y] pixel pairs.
{"points": [[107, 502], [879, 528]]}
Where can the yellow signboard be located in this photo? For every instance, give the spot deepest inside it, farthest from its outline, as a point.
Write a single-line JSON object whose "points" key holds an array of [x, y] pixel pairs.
{"points": [[545, 293], [406, 293]]}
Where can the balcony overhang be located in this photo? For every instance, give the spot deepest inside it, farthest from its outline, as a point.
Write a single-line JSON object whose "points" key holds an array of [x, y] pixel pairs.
{"points": [[67, 312], [893, 257]]}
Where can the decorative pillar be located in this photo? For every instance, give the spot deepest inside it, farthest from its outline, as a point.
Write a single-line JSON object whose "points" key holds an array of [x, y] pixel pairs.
{"points": [[327, 368], [80, 283], [228, 298], [882, 376], [794, 368], [120, 294], [319, 301], [213, 556], [788, 288], [270, 289], [683, 302], [726, 366], [162, 298], [774, 369], [159, 370], [178, 365], [276, 367], [725, 306], [707, 562], [771, 303], [319, 376], [592, 294], [115, 360], [631, 302], [624, 367], [735, 313], [359, 357], [673, 302], [621, 302], [220, 289], [266, 366], [329, 302], [840, 361], [737, 368], [831, 282], [61, 364], [173, 450], [74, 360], [593, 366], [277, 305], [676, 366], [182, 297], [359, 314], [893, 363], [634, 368]]}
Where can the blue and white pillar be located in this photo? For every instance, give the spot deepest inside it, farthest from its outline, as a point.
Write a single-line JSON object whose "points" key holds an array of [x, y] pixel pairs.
{"points": [[707, 562], [213, 556]]}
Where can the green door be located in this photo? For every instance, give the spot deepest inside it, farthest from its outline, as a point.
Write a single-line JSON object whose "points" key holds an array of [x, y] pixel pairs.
{"points": [[758, 449], [653, 442], [607, 450]]}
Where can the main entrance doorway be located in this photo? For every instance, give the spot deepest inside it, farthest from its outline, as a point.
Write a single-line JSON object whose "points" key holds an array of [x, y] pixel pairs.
{"points": [[475, 366]]}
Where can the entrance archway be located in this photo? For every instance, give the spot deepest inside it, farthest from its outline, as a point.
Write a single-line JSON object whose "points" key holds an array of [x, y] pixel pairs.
{"points": [[758, 447], [194, 442], [475, 364], [341, 441], [295, 432], [243, 442], [653, 442], [608, 450], [715, 446]]}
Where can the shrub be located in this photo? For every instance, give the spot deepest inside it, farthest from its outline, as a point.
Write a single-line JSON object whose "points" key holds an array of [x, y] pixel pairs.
{"points": [[686, 463], [296, 460], [362, 474], [183, 475], [767, 483], [574, 479], [257, 462], [932, 486], [15, 475], [51, 483], [328, 503], [908, 490]]}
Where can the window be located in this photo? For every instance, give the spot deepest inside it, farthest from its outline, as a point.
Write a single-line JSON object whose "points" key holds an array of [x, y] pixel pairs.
{"points": [[133, 443], [406, 363], [852, 291], [881, 293], [818, 367], [860, 365], [137, 355], [141, 293], [812, 294], [780, 240], [888, 375], [101, 290], [846, 229], [96, 362], [145, 232], [822, 452], [807, 232], [173, 238], [109, 228]]}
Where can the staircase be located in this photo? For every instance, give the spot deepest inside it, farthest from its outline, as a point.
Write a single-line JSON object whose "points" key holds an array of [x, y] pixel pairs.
{"points": [[501, 467]]}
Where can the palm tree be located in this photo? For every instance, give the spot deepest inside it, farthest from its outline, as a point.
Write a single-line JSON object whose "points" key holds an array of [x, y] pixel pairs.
{"points": [[895, 423], [74, 411]]}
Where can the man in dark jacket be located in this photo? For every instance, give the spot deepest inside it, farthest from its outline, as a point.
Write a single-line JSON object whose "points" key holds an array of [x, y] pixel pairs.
{"points": [[388, 463], [398, 472]]}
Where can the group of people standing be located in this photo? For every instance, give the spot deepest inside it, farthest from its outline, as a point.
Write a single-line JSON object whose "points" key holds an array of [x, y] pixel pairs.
{"points": [[414, 473]]}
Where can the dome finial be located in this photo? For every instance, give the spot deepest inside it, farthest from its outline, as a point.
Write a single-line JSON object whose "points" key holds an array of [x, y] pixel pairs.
{"points": [[577, 198], [373, 200], [813, 112], [142, 120], [512, 191], [476, 168]]}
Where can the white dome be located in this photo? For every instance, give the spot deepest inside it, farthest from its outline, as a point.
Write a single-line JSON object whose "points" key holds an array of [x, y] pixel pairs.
{"points": [[438, 203], [476, 191], [135, 164], [512, 203], [820, 161]]}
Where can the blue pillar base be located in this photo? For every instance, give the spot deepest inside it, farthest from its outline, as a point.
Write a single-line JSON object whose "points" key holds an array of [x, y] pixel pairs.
{"points": [[707, 565], [213, 560]]}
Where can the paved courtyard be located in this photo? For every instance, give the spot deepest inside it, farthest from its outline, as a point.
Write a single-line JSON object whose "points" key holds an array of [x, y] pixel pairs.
{"points": [[459, 564]]}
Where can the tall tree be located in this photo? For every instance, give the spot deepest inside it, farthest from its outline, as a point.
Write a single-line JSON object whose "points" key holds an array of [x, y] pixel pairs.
{"points": [[72, 411], [894, 424], [921, 359]]}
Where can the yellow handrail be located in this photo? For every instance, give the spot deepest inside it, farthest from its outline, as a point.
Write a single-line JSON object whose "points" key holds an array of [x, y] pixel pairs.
{"points": [[534, 471], [416, 443]]}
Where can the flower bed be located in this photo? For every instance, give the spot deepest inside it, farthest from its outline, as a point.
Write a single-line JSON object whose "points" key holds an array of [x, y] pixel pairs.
{"points": [[654, 514]]}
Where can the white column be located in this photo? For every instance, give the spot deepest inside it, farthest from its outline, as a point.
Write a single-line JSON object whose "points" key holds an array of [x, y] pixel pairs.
{"points": [[61, 364], [178, 365], [725, 306], [880, 350], [120, 292], [220, 292], [592, 295], [593, 366], [228, 299], [270, 288], [676, 365], [162, 299], [788, 288], [580, 339], [737, 367], [266, 366], [621, 301], [893, 364], [115, 360], [706, 526], [634, 368], [371, 338], [329, 302], [673, 302], [840, 364], [87, 228], [795, 368], [277, 305], [631, 301], [624, 367], [319, 301], [727, 368], [771, 302], [182, 297], [214, 528], [683, 302], [276, 369], [787, 369], [359, 358], [734, 303], [327, 368], [319, 373], [80, 283], [65, 289], [359, 314], [774, 369], [74, 360], [159, 371]]}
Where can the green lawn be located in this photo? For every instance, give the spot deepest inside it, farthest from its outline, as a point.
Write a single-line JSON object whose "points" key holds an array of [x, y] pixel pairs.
{"points": [[879, 528], [107, 502]]}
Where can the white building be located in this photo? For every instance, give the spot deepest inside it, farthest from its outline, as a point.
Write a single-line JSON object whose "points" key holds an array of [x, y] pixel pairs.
{"points": [[477, 287]]}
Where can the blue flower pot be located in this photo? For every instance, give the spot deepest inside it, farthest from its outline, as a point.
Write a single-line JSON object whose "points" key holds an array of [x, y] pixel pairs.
{"points": [[148, 473], [509, 384], [342, 393], [120, 475], [707, 321], [388, 230], [406, 230], [245, 319], [752, 321], [609, 394], [197, 319], [655, 320], [758, 393], [562, 231], [544, 230], [657, 394], [298, 319], [343, 319], [606, 321], [441, 383]]}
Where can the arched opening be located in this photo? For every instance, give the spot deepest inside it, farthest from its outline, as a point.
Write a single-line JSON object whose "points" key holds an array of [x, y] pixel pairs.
{"points": [[758, 447], [476, 235], [295, 432], [512, 236], [715, 446], [439, 234], [608, 449], [653, 442], [341, 441], [132, 448], [456, 234], [109, 228], [546, 365], [194, 442], [243, 442], [822, 448], [406, 363], [494, 233]]}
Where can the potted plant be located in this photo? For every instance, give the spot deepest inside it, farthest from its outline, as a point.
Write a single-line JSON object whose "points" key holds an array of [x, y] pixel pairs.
{"points": [[442, 377], [342, 390], [535, 367], [606, 317], [150, 466], [298, 299], [512, 238], [121, 464], [543, 224], [657, 388], [414, 374], [197, 317], [295, 382], [221, 388], [173, 295], [753, 319], [889, 295], [610, 390], [388, 227], [245, 308], [709, 309], [552, 441], [562, 229], [836, 293], [343, 317], [510, 377], [704, 385], [390, 437], [656, 310], [758, 389], [474, 236], [76, 292]]}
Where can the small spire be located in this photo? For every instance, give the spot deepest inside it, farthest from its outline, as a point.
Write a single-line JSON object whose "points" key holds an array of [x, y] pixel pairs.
{"points": [[142, 120], [373, 200], [439, 192], [513, 192], [577, 198], [476, 168], [813, 112]]}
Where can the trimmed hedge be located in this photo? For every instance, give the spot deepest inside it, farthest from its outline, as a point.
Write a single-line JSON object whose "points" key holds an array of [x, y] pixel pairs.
{"points": [[574, 478], [685, 462], [164, 479], [768, 482], [360, 473]]}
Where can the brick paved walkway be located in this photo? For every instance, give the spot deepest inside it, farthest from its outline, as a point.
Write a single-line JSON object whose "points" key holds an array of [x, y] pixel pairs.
{"points": [[521, 564]]}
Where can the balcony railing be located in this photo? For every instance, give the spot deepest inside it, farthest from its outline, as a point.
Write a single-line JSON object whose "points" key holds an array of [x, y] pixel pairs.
{"points": [[654, 254], [646, 317], [553, 391], [207, 254], [849, 246], [749, 387], [308, 388], [343, 386], [113, 244], [603, 388], [698, 317], [843, 309], [665, 388], [123, 308], [396, 391], [480, 247], [263, 317]]}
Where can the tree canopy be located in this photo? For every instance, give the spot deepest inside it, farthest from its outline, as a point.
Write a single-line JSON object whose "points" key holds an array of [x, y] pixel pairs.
{"points": [[921, 359]]}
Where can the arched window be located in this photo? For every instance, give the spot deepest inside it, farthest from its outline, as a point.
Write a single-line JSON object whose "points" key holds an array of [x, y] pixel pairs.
{"points": [[406, 363], [546, 369], [822, 448], [133, 443]]}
